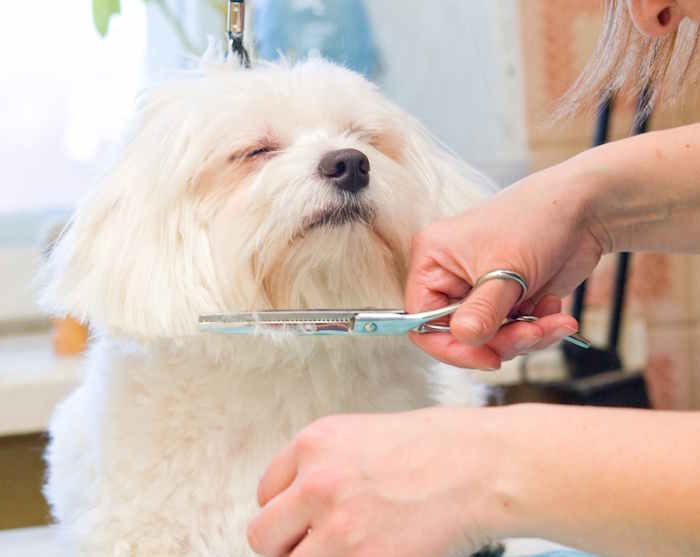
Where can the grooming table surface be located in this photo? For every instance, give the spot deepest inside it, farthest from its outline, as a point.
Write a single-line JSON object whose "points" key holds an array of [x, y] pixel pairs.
{"points": [[30, 542]]}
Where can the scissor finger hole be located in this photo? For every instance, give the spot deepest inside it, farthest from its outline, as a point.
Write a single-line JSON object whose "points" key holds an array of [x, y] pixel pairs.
{"points": [[435, 328]]}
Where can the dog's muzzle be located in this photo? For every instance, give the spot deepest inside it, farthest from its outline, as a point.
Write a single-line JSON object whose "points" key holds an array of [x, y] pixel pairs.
{"points": [[338, 215]]}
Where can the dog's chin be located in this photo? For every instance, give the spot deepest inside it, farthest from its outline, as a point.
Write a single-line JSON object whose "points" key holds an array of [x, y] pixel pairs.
{"points": [[339, 215]]}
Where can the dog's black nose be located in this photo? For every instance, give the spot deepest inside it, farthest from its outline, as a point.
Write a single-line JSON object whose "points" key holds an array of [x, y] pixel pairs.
{"points": [[347, 169]]}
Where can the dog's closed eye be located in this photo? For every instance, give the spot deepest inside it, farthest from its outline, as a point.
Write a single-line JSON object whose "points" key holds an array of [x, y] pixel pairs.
{"points": [[257, 151], [223, 174], [260, 151]]}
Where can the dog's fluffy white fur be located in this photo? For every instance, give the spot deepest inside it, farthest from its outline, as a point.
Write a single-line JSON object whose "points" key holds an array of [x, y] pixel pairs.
{"points": [[212, 209]]}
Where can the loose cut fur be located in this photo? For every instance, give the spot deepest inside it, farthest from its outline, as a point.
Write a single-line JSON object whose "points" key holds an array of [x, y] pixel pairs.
{"points": [[626, 59], [218, 206]]}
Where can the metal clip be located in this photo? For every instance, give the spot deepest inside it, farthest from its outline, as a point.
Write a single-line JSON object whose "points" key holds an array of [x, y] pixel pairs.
{"points": [[235, 16]]}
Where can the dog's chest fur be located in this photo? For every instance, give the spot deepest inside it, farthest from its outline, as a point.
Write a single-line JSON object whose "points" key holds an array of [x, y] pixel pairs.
{"points": [[161, 441]]}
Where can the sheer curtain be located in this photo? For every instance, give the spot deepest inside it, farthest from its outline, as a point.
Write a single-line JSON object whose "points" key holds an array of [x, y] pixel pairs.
{"points": [[65, 97]]}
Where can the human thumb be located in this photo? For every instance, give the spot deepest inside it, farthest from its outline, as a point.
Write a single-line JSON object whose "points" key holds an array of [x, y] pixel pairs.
{"points": [[483, 311]]}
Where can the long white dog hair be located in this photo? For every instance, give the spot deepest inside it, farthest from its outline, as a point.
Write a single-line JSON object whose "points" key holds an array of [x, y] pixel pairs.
{"points": [[190, 223], [218, 206]]}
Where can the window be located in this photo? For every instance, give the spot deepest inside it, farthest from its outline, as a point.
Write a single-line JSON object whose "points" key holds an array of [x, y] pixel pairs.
{"points": [[65, 94], [65, 98]]}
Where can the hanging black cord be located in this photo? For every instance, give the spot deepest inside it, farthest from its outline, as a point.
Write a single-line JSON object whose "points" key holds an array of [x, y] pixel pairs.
{"points": [[597, 360], [236, 44], [641, 124]]}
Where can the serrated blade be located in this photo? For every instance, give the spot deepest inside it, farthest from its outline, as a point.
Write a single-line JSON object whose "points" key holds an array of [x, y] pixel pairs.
{"points": [[316, 322]]}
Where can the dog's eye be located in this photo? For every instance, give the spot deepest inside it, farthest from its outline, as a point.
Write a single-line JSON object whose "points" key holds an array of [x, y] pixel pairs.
{"points": [[373, 138], [258, 152]]}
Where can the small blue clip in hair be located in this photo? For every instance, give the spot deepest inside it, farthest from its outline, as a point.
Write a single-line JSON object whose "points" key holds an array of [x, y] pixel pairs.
{"points": [[236, 26]]}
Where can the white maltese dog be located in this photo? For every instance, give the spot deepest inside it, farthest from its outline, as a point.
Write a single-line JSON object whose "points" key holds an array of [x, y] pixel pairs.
{"points": [[284, 186]]}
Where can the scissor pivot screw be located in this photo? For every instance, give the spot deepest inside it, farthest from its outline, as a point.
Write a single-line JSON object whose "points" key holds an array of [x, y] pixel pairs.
{"points": [[370, 327]]}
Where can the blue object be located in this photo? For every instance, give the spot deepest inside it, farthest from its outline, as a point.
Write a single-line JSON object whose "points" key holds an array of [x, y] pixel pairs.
{"points": [[337, 29]]}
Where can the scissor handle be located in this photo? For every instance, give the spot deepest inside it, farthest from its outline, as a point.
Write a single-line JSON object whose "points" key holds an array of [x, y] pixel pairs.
{"points": [[496, 274], [440, 328], [426, 316], [382, 322], [576, 339]]}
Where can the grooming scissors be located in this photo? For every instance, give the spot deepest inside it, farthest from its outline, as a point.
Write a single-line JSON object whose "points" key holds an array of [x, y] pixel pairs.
{"points": [[368, 322]]}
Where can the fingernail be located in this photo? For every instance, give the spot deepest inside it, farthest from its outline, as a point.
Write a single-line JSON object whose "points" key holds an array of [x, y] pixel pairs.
{"points": [[526, 343], [562, 332]]}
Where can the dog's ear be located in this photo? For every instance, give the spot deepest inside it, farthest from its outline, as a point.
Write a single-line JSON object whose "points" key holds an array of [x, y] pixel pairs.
{"points": [[455, 185], [135, 257]]}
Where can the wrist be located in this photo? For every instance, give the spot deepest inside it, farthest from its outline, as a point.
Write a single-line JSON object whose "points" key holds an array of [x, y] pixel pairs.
{"points": [[504, 448], [589, 183], [576, 192], [639, 193], [524, 472]]}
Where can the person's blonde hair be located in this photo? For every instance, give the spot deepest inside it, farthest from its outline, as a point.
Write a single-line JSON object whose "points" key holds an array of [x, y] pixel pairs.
{"points": [[626, 59]]}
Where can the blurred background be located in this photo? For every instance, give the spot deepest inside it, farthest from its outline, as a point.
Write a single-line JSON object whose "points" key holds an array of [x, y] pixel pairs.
{"points": [[482, 75]]}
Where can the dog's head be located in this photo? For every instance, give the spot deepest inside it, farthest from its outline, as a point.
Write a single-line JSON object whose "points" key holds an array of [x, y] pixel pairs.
{"points": [[282, 186]]}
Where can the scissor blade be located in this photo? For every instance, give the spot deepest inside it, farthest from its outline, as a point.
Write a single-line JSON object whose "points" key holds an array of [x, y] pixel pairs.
{"points": [[297, 322]]}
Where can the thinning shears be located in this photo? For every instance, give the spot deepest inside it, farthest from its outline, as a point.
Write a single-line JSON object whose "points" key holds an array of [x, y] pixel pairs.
{"points": [[371, 322]]}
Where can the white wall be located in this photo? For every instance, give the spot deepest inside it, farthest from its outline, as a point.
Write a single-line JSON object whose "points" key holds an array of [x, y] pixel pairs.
{"points": [[455, 65]]}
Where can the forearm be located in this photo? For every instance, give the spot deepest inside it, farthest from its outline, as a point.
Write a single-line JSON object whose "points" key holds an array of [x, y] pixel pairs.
{"points": [[613, 482], [643, 193]]}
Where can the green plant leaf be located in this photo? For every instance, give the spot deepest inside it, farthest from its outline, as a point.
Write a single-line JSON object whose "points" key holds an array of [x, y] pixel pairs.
{"points": [[102, 11]]}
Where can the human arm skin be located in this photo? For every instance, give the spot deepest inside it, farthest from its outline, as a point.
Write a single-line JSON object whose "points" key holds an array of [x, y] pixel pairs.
{"points": [[644, 192], [613, 482], [444, 481], [641, 193]]}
